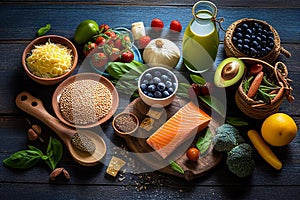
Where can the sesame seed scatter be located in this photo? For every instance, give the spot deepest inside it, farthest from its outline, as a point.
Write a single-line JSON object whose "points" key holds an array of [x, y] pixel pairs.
{"points": [[85, 102]]}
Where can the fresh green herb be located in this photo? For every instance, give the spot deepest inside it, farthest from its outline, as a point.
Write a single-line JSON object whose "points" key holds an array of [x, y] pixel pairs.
{"points": [[54, 152], [203, 143], [214, 103], [176, 167], [267, 82], [25, 159], [132, 70], [44, 30], [183, 90], [236, 121], [246, 84], [198, 79], [264, 96]]}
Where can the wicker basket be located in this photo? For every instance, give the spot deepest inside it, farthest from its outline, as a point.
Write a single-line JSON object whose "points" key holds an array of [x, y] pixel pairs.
{"points": [[258, 109], [232, 51]]}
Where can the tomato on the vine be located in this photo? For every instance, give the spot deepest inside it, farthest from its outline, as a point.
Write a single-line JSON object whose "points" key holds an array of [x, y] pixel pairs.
{"points": [[111, 34], [88, 47], [100, 40]]}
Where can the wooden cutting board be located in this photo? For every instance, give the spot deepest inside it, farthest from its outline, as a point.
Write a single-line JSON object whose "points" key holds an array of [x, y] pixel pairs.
{"points": [[137, 143]]}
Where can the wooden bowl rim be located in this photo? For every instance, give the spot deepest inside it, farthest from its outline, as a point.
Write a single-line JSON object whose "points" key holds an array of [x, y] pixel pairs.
{"points": [[85, 76], [42, 39]]}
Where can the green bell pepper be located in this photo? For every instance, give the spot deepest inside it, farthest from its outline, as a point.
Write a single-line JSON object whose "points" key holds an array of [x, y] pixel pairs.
{"points": [[85, 31]]}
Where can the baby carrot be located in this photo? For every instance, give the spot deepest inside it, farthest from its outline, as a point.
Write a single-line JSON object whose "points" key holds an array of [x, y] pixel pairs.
{"points": [[255, 84], [278, 95]]}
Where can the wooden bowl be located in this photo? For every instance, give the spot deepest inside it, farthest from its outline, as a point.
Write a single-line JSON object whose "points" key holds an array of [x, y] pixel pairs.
{"points": [[125, 115], [85, 76], [42, 40]]}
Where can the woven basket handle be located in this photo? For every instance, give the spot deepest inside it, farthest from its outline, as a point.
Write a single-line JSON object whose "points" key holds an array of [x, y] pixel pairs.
{"points": [[285, 52], [281, 68]]}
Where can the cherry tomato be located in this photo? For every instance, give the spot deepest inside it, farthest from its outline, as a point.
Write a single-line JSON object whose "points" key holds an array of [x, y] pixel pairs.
{"points": [[193, 154], [88, 47], [100, 40], [103, 28], [111, 34], [175, 26], [99, 60], [127, 56]]}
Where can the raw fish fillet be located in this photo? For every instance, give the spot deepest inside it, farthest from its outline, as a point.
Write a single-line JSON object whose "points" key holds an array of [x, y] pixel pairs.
{"points": [[185, 123]]}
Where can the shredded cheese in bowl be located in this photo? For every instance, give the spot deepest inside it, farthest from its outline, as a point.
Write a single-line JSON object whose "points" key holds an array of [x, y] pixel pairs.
{"points": [[49, 60]]}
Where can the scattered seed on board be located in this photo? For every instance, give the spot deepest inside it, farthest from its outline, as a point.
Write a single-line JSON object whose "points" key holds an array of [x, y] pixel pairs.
{"points": [[85, 102], [83, 143]]}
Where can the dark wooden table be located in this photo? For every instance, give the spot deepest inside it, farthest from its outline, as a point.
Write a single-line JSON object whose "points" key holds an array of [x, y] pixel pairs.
{"points": [[18, 25]]}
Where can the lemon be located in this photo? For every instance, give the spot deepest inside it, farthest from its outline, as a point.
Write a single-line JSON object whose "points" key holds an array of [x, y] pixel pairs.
{"points": [[279, 129]]}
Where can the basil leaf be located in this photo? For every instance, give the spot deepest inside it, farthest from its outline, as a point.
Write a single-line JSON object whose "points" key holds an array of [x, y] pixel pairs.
{"points": [[214, 103], [176, 167], [236, 121], [36, 149], [44, 30], [23, 159], [54, 152], [203, 143], [198, 79]]}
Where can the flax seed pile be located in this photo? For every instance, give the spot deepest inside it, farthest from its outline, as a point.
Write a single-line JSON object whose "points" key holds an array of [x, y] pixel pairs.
{"points": [[85, 102]]}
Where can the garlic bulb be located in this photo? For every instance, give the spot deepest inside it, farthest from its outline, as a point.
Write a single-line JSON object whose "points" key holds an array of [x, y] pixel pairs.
{"points": [[161, 52]]}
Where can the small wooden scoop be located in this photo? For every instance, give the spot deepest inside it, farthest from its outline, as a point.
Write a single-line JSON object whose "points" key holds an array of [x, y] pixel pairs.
{"points": [[35, 107]]}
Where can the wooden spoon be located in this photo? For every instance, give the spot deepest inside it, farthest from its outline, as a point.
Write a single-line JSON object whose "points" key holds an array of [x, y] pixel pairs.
{"points": [[35, 107]]}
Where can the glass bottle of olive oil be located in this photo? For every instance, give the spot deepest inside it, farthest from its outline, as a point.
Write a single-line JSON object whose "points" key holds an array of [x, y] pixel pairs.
{"points": [[201, 38]]}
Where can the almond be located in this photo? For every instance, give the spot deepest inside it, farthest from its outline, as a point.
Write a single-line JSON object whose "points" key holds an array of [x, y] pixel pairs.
{"points": [[32, 134]]}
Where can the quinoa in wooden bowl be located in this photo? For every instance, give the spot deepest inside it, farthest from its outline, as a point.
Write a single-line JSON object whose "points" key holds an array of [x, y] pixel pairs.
{"points": [[85, 100]]}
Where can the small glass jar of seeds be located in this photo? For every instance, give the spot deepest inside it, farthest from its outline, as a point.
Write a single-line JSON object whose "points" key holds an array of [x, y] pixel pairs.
{"points": [[125, 124]]}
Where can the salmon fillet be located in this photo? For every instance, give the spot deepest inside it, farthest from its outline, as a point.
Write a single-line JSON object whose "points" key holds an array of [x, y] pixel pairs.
{"points": [[185, 123]]}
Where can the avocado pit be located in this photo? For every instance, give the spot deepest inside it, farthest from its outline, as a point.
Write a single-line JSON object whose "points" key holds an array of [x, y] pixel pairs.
{"points": [[230, 70]]}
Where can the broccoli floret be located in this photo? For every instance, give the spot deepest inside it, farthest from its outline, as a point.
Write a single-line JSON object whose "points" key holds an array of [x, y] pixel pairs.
{"points": [[239, 160], [227, 137]]}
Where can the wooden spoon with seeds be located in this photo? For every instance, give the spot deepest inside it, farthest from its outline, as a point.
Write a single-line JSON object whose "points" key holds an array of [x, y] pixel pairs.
{"points": [[86, 147]]}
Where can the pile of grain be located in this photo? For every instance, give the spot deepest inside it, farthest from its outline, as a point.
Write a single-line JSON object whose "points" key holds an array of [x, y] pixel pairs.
{"points": [[85, 102]]}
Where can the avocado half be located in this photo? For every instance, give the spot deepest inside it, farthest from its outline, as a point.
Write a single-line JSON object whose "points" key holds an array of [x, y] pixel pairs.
{"points": [[229, 72]]}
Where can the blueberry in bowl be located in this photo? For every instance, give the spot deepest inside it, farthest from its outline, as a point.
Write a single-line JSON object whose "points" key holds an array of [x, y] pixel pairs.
{"points": [[253, 38], [157, 86]]}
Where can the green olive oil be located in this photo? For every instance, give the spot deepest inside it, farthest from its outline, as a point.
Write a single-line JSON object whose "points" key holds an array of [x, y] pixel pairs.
{"points": [[200, 42]]}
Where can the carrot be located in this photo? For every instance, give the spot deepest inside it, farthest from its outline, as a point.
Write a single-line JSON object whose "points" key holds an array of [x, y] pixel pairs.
{"points": [[255, 84], [274, 91], [278, 95]]}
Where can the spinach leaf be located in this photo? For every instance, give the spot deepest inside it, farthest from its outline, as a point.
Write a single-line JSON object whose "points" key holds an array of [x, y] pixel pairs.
{"points": [[214, 103], [203, 143], [118, 69], [23, 159], [54, 152], [236, 121]]}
